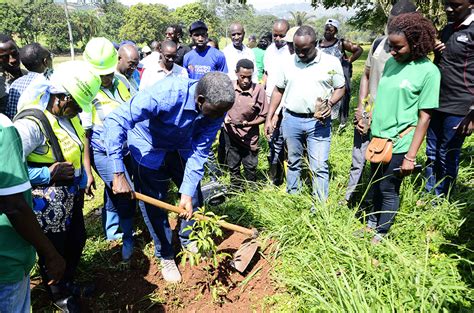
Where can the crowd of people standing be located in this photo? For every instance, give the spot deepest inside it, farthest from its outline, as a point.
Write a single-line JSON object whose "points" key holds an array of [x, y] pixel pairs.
{"points": [[142, 122]]}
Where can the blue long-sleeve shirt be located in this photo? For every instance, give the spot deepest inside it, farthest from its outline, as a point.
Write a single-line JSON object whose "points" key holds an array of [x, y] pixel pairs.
{"points": [[41, 176], [159, 119]]}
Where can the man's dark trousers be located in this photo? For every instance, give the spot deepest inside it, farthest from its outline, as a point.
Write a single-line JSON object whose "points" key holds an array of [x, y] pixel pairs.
{"points": [[155, 183], [236, 155]]}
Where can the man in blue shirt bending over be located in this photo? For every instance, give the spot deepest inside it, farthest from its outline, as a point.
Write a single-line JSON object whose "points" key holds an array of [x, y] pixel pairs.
{"points": [[169, 128], [203, 59]]}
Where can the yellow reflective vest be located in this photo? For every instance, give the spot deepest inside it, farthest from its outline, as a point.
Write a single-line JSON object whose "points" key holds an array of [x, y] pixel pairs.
{"points": [[71, 144], [106, 101]]}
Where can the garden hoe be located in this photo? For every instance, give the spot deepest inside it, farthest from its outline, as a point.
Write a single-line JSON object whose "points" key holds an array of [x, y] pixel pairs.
{"points": [[247, 249]]}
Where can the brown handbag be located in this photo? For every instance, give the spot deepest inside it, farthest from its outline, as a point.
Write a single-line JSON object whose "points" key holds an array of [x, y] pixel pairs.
{"points": [[379, 150]]}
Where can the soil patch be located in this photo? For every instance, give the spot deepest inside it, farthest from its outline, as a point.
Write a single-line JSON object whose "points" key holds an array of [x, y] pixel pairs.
{"points": [[141, 287]]}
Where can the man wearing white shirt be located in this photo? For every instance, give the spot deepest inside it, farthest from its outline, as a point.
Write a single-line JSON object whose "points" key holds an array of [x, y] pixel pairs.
{"points": [[276, 55], [164, 68], [153, 57], [238, 51]]}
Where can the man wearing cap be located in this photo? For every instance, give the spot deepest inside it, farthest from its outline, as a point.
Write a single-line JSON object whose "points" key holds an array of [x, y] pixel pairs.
{"points": [[175, 33], [170, 129], [203, 59], [310, 78], [118, 211], [237, 51], [52, 136], [146, 51], [337, 47], [379, 53], [275, 56], [164, 68]]}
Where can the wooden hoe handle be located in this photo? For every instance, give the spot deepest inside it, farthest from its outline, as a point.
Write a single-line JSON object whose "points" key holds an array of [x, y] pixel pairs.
{"points": [[175, 209]]}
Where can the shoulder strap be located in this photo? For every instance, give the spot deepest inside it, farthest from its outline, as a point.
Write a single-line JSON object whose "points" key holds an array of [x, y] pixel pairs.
{"points": [[406, 131], [376, 44], [49, 133]]}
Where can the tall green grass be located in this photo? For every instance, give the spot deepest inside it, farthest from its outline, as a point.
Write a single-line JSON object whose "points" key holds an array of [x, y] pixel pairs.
{"points": [[425, 264]]}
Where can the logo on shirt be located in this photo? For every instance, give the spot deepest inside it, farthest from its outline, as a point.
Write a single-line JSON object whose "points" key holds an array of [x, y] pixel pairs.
{"points": [[462, 38], [199, 69], [405, 84]]}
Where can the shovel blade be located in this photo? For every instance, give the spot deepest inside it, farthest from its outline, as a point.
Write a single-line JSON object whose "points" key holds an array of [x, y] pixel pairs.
{"points": [[244, 255]]}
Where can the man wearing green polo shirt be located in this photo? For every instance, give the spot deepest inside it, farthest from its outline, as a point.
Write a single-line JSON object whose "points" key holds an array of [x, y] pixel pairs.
{"points": [[19, 229], [310, 77]]}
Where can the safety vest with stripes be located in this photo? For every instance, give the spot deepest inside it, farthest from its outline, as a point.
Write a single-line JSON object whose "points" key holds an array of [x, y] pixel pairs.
{"points": [[70, 141], [106, 101]]}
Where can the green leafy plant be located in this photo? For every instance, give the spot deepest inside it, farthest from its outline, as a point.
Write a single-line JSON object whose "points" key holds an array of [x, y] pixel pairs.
{"points": [[202, 233]]}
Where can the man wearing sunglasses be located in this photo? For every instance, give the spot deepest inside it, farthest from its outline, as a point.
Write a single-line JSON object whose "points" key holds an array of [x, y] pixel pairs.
{"points": [[166, 67]]}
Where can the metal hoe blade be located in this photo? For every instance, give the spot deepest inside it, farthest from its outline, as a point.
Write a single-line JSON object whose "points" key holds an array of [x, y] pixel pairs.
{"points": [[244, 255]]}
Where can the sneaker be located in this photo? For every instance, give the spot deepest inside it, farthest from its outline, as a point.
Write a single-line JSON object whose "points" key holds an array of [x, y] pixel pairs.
{"points": [[341, 127], [170, 271], [192, 247]]}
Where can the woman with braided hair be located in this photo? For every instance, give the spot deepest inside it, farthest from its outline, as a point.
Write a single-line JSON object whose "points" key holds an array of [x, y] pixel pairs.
{"points": [[408, 90]]}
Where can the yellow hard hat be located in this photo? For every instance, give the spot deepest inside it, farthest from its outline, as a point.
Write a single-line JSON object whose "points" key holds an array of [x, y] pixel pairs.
{"points": [[100, 53], [79, 80]]}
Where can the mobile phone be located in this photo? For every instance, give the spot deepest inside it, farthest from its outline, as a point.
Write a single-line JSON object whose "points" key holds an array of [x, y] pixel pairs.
{"points": [[397, 171]]}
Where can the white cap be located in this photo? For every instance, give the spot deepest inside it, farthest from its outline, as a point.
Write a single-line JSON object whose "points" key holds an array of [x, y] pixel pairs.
{"points": [[146, 49], [333, 22], [290, 34]]}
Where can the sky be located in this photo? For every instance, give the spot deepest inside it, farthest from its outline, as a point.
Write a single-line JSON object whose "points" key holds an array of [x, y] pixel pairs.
{"points": [[257, 4]]}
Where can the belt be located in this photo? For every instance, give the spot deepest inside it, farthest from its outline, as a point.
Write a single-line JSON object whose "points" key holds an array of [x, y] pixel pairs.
{"points": [[304, 115]]}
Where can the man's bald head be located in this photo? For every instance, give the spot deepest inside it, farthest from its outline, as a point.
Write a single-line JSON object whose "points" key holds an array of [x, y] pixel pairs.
{"points": [[279, 30], [237, 35], [155, 45], [128, 59]]}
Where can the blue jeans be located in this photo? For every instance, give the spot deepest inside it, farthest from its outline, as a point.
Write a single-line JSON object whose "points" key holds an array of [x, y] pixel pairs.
{"points": [[386, 194], [155, 183], [307, 132], [443, 148], [117, 208], [15, 297]]}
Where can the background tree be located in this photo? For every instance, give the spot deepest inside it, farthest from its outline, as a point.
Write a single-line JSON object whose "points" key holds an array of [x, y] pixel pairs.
{"points": [[50, 22], [111, 16], [373, 15], [299, 18], [192, 12], [260, 24], [145, 23], [85, 25]]}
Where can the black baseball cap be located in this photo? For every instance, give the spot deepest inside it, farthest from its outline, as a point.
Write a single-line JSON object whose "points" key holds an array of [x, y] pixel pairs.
{"points": [[197, 25]]}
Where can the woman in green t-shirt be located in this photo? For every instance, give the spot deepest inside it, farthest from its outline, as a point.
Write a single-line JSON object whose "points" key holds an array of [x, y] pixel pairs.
{"points": [[408, 90]]}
